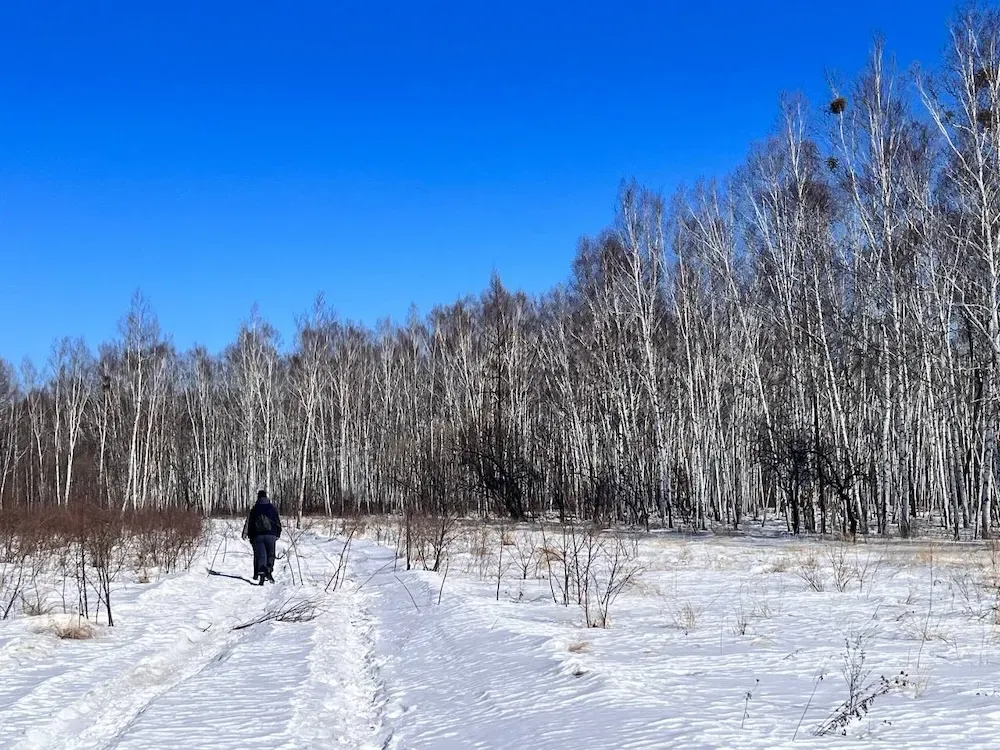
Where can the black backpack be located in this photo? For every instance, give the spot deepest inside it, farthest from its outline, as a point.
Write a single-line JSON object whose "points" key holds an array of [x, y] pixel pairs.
{"points": [[262, 525]]}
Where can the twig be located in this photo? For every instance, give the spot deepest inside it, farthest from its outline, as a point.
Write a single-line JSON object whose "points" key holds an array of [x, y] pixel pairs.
{"points": [[927, 619], [819, 679], [407, 591], [302, 611], [212, 566], [340, 574], [369, 578], [746, 704], [293, 547], [444, 578], [500, 564]]}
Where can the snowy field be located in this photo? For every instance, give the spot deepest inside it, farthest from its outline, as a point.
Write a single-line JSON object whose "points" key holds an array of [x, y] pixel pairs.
{"points": [[711, 642]]}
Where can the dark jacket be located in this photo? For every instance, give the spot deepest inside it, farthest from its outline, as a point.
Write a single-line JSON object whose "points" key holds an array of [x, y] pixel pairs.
{"points": [[263, 519]]}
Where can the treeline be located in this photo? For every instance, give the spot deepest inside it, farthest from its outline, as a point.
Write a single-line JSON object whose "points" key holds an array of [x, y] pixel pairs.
{"points": [[818, 339]]}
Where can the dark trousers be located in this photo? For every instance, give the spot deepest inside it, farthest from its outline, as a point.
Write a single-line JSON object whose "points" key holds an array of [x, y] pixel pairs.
{"points": [[263, 553]]}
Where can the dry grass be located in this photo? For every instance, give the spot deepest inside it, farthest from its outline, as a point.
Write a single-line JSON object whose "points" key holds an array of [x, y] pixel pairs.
{"points": [[550, 554], [918, 685], [724, 562], [743, 620], [843, 564], [919, 627], [80, 630], [780, 565], [578, 647], [809, 571], [686, 617], [644, 587], [761, 602]]}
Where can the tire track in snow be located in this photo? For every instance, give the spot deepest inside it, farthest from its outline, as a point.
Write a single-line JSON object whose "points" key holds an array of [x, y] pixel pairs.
{"points": [[462, 675], [339, 703], [286, 685], [58, 673], [31, 664], [162, 678], [97, 701]]}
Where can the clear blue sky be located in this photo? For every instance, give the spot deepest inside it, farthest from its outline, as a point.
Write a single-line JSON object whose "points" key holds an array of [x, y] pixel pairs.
{"points": [[217, 154]]}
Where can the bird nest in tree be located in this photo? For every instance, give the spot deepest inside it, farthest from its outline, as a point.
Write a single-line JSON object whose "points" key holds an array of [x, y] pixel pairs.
{"points": [[987, 118], [838, 105], [983, 77]]}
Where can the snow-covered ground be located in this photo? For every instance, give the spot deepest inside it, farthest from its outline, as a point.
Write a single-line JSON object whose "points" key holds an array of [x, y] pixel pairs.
{"points": [[173, 672], [716, 642]]}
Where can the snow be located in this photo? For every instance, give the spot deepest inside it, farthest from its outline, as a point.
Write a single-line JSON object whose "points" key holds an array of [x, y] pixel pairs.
{"points": [[173, 672], [673, 670], [718, 643]]}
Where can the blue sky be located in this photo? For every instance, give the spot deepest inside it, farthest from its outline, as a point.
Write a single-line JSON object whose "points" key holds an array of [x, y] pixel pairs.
{"points": [[218, 154]]}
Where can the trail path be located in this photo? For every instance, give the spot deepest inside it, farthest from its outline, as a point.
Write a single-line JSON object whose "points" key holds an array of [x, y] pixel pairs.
{"points": [[173, 672], [389, 663], [383, 665]]}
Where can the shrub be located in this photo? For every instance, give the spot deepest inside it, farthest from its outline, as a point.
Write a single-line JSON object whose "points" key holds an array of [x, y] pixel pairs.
{"points": [[81, 630], [90, 546]]}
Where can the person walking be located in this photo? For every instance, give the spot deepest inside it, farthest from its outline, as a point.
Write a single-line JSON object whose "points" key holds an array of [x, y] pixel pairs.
{"points": [[262, 528]]}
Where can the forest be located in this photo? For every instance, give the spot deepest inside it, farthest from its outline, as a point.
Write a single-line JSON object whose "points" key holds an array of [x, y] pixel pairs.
{"points": [[813, 340]]}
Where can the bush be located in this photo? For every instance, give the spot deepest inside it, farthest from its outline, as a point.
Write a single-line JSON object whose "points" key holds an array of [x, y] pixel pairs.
{"points": [[81, 630], [90, 546], [163, 539]]}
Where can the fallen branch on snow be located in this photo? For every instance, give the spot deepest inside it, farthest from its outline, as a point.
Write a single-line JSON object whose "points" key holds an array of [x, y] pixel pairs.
{"points": [[303, 610]]}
